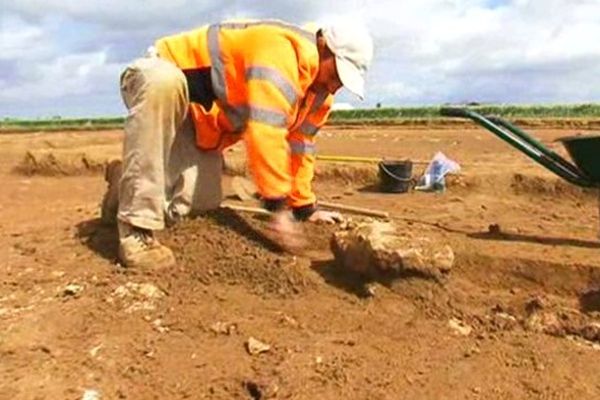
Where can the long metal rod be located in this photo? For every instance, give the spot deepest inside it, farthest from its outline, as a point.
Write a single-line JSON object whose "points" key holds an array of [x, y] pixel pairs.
{"points": [[334, 206], [357, 159], [529, 146], [354, 209]]}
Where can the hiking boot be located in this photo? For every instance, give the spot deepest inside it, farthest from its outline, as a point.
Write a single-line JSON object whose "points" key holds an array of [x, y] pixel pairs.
{"points": [[138, 248], [110, 201]]}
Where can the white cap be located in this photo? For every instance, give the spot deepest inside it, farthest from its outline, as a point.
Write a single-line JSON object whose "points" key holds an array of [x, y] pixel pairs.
{"points": [[353, 49]]}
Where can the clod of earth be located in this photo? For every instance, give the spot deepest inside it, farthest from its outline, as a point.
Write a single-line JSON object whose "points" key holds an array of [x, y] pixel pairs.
{"points": [[255, 347], [559, 321], [137, 296], [377, 249], [144, 290]]}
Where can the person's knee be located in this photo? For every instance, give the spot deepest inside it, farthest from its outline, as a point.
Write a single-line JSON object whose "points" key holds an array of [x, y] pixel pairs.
{"points": [[164, 83], [162, 78]]}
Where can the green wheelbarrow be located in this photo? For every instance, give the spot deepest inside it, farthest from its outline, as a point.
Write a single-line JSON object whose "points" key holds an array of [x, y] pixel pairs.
{"points": [[584, 171]]}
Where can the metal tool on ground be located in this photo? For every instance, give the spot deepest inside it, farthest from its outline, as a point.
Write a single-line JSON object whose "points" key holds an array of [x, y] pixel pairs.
{"points": [[584, 171], [357, 159], [251, 210], [354, 209], [350, 159], [376, 160], [247, 190], [333, 206]]}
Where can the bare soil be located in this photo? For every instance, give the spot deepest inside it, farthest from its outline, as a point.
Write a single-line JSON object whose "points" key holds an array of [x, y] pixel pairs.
{"points": [[518, 317]]}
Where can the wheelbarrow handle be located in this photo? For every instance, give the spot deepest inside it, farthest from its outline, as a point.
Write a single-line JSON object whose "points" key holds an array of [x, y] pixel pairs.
{"points": [[454, 112], [524, 143]]}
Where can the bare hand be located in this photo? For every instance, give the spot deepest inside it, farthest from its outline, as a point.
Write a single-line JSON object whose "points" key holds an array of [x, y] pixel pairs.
{"points": [[286, 232], [328, 217]]}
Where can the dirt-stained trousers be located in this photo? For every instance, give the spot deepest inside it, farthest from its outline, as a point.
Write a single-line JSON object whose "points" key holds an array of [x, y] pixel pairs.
{"points": [[165, 175]]}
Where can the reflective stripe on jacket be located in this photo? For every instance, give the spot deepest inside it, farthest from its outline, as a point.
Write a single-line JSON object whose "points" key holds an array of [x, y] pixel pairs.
{"points": [[261, 72]]}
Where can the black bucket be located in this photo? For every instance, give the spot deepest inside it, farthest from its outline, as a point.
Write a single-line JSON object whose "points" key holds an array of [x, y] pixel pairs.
{"points": [[395, 176]]}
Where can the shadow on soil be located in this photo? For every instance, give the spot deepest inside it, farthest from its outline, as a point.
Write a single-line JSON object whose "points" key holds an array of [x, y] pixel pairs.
{"points": [[358, 285], [101, 239], [371, 188], [376, 188], [348, 281], [590, 301], [549, 241]]}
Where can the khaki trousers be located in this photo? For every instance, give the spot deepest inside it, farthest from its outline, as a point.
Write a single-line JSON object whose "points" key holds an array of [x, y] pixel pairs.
{"points": [[165, 176]]}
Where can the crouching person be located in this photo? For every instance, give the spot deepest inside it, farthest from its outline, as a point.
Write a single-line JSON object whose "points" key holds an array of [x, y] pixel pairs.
{"points": [[268, 83]]}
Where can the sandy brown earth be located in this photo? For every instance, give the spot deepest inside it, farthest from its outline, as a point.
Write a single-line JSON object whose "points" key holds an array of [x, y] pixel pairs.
{"points": [[518, 317]]}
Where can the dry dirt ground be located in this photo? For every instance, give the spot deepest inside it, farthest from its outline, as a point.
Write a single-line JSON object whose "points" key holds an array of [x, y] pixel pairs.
{"points": [[517, 317]]}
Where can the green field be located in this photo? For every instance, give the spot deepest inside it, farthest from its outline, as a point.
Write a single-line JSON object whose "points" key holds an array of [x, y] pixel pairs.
{"points": [[508, 111], [362, 116]]}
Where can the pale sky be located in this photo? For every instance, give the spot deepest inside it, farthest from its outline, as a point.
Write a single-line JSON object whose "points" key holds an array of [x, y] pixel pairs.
{"points": [[64, 57]]}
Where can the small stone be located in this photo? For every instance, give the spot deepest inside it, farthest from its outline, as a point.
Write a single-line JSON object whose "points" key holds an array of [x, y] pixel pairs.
{"points": [[145, 290], [255, 347], [157, 324], [222, 328], [149, 291], [72, 289], [90, 394], [472, 351], [94, 351], [287, 320], [539, 367], [504, 321], [371, 290], [534, 305], [459, 327]]}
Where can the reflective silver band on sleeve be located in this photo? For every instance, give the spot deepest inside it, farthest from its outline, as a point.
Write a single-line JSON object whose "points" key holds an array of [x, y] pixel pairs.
{"points": [[277, 79], [309, 129], [297, 147]]}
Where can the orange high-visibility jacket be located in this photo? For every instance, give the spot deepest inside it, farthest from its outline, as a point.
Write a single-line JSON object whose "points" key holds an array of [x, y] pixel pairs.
{"points": [[261, 72]]}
